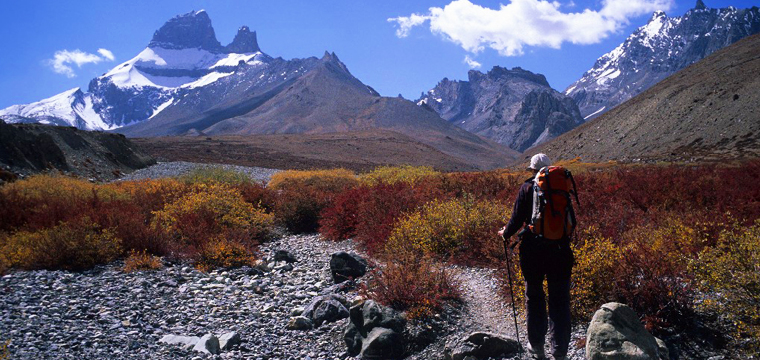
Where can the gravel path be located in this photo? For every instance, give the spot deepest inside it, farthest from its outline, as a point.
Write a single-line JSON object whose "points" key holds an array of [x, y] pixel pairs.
{"points": [[178, 168], [105, 313]]}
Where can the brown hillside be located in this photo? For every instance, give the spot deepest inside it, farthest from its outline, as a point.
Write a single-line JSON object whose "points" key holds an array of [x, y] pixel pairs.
{"points": [[708, 111], [359, 151]]}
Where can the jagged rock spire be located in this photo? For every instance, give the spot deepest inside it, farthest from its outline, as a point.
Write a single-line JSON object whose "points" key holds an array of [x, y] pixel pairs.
{"points": [[187, 31], [245, 42], [700, 5]]}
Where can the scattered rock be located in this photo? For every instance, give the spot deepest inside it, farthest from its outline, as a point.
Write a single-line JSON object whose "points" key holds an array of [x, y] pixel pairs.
{"points": [[186, 342], [615, 333], [208, 344], [374, 331], [228, 340], [345, 266], [483, 345], [326, 309], [300, 323], [283, 255]]}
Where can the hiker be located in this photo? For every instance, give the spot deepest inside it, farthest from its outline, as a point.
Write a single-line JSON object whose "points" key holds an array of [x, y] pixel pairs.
{"points": [[542, 258]]}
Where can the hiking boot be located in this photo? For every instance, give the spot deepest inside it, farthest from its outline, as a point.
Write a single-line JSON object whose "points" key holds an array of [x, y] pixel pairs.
{"points": [[536, 353]]}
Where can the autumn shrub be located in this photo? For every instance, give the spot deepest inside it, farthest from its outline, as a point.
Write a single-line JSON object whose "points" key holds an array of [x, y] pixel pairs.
{"points": [[593, 278], [334, 180], [393, 174], [42, 201], [369, 213], [223, 253], [728, 275], [463, 230], [490, 185], [414, 284], [141, 261], [215, 174], [207, 212], [302, 195], [75, 245]]}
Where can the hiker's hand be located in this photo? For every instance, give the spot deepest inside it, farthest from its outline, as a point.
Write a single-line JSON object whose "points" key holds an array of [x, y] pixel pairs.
{"points": [[501, 231]]}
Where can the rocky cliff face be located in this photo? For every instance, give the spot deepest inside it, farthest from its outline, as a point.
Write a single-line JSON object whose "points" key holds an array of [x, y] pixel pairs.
{"points": [[514, 107], [658, 49]]}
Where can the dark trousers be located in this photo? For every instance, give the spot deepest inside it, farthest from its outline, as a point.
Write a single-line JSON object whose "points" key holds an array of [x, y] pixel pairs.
{"points": [[552, 260]]}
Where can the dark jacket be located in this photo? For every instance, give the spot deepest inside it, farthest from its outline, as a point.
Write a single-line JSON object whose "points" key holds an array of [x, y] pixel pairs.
{"points": [[523, 209]]}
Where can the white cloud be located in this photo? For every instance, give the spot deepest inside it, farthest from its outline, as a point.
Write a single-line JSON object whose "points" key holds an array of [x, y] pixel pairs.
{"points": [[63, 59], [522, 23], [106, 54], [471, 63]]}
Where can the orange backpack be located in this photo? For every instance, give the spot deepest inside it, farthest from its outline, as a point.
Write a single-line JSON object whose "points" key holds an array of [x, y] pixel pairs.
{"points": [[553, 216]]}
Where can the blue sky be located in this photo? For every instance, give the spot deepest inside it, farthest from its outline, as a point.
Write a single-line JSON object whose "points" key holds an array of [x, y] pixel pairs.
{"points": [[31, 32]]}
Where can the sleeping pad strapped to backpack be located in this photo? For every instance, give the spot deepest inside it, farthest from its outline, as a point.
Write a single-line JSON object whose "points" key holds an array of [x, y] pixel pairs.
{"points": [[553, 216]]}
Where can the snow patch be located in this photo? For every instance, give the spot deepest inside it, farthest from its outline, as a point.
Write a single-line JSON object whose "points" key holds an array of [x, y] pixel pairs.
{"points": [[594, 113], [205, 80], [161, 107]]}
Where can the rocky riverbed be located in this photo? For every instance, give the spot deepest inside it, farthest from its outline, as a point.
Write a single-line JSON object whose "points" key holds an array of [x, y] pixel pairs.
{"points": [[179, 168]]}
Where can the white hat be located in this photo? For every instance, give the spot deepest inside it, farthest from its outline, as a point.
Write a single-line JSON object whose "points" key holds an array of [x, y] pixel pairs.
{"points": [[539, 161]]}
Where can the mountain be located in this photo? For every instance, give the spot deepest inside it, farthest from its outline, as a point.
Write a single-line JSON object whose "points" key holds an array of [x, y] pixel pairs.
{"points": [[186, 83], [32, 148], [515, 107], [707, 111], [658, 49]]}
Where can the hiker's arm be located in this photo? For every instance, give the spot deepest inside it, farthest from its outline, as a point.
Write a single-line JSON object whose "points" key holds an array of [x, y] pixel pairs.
{"points": [[520, 213]]}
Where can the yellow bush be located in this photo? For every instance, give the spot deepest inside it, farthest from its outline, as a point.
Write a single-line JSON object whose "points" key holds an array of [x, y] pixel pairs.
{"points": [[215, 174], [322, 180], [210, 210], [61, 188], [393, 174], [222, 253], [729, 276], [74, 245], [595, 262], [461, 228], [141, 260]]}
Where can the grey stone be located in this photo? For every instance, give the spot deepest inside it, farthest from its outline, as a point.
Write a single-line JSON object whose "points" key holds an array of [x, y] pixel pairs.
{"points": [[208, 344], [353, 339], [229, 340], [376, 315], [615, 333], [300, 323], [283, 255], [382, 343], [326, 308], [662, 349], [483, 345], [345, 266], [186, 342]]}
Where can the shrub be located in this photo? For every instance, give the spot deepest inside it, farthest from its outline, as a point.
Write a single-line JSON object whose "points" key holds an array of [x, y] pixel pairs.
{"points": [[223, 253], [596, 261], [369, 213], [215, 174], [413, 284], [462, 229], [729, 276], [75, 245], [393, 174], [209, 211], [321, 180], [302, 195], [141, 260]]}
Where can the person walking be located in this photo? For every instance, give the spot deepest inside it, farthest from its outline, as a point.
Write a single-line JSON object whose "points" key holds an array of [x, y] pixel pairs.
{"points": [[540, 259]]}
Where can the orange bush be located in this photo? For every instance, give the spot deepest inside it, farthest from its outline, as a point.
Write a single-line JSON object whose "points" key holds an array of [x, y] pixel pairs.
{"points": [[223, 253], [75, 245], [139, 261]]}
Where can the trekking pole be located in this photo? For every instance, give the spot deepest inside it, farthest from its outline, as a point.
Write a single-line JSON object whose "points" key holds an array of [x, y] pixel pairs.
{"points": [[512, 295]]}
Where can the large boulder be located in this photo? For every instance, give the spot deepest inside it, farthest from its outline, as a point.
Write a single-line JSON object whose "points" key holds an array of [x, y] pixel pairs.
{"points": [[228, 340], [345, 266], [375, 332], [382, 343], [615, 333], [483, 345], [186, 342], [208, 344], [326, 309]]}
